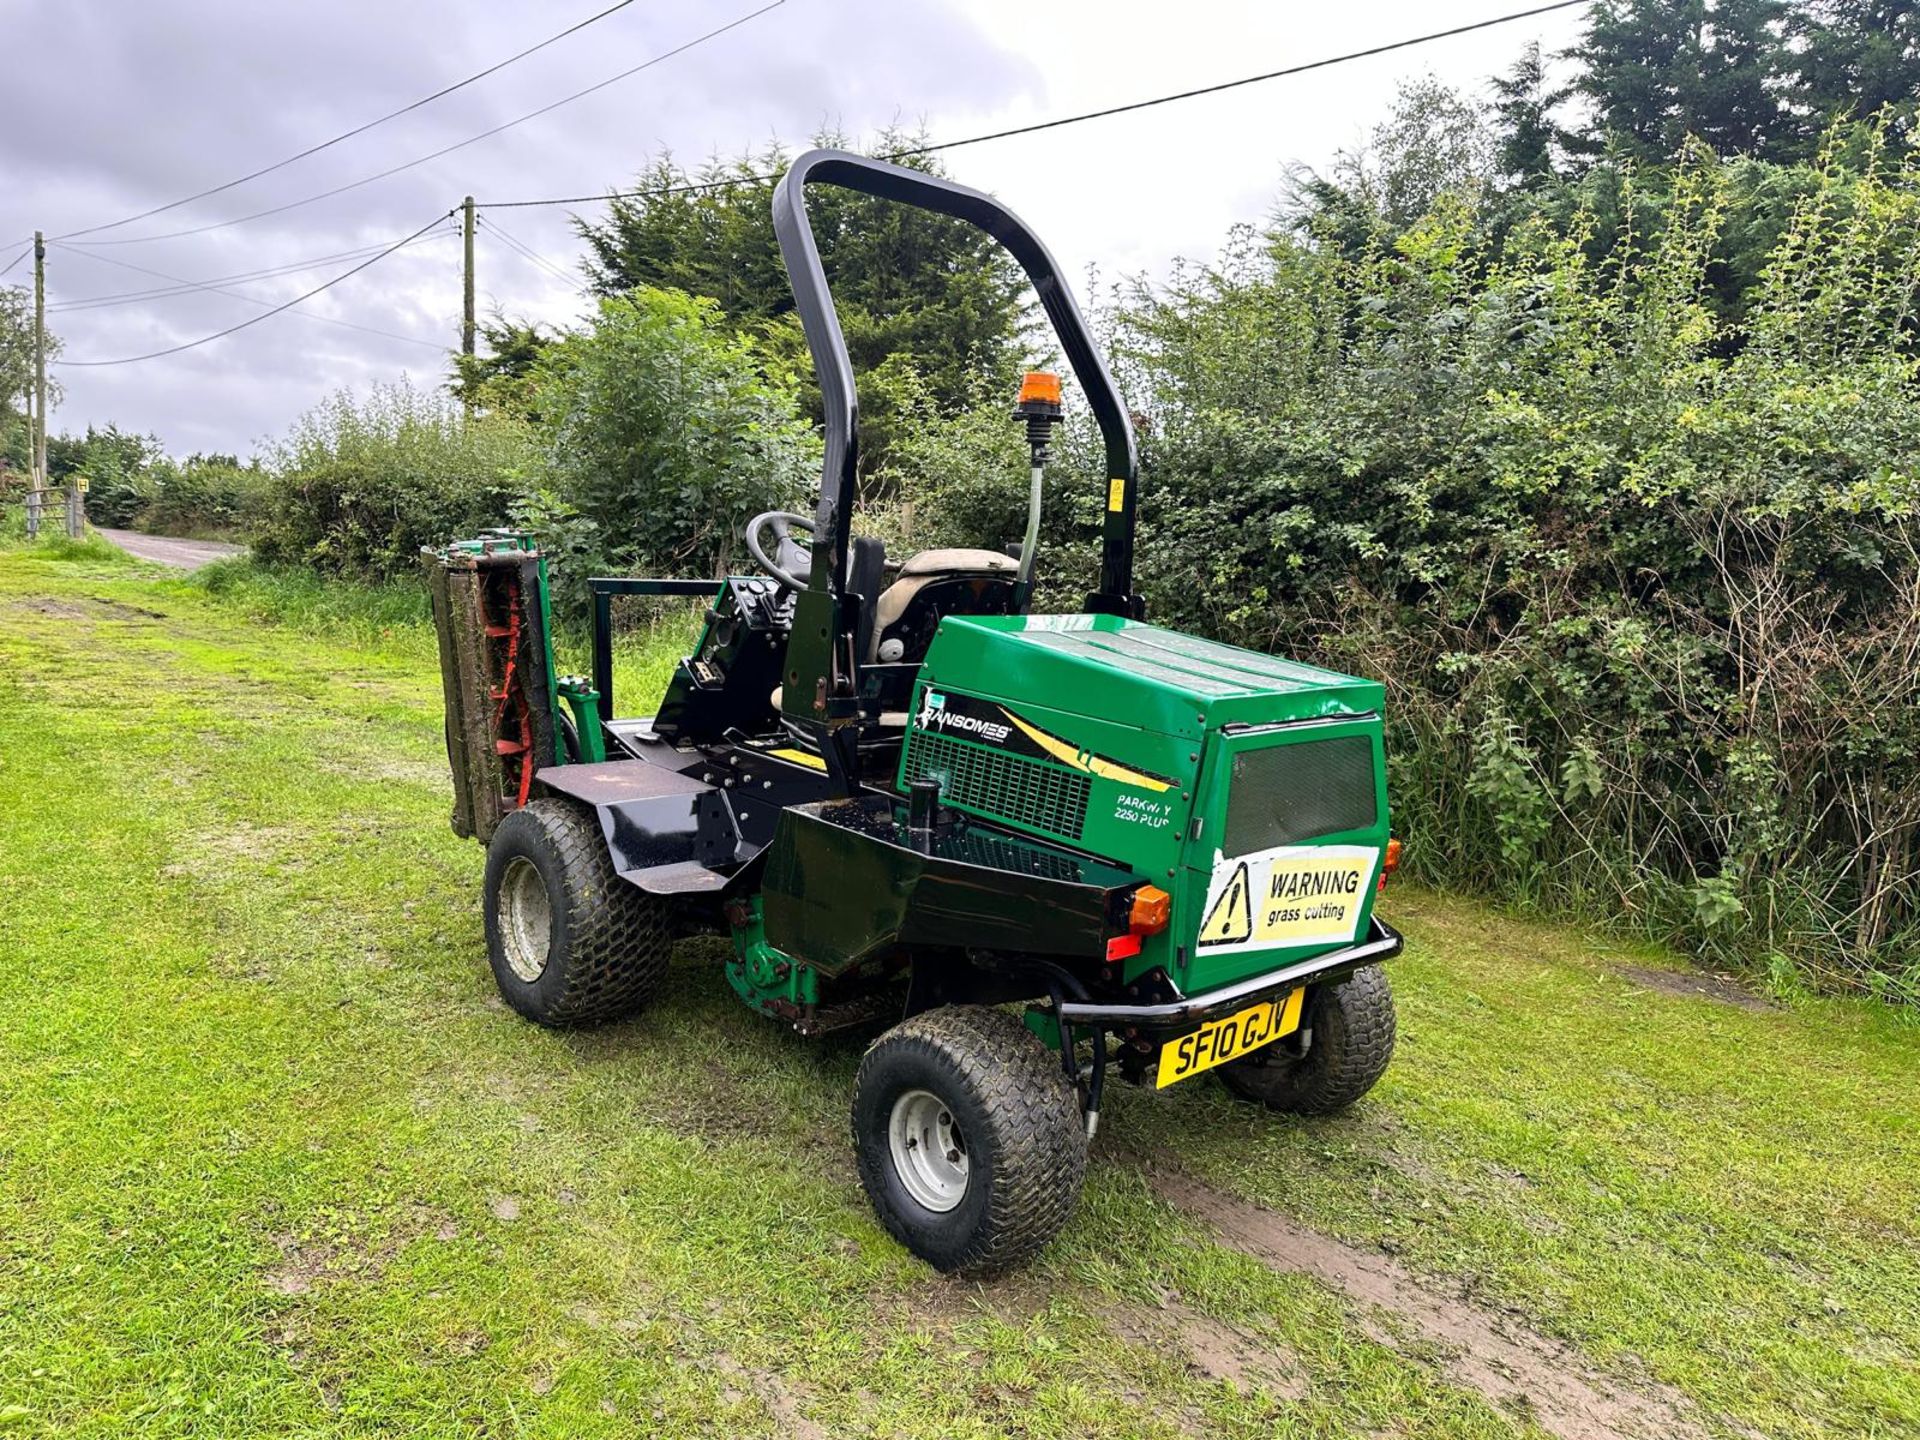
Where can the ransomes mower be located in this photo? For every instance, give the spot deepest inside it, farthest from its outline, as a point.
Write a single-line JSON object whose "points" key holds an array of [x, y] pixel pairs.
{"points": [[1044, 848]]}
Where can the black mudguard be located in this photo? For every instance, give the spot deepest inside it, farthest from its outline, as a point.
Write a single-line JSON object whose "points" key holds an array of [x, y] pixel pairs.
{"points": [[665, 830]]}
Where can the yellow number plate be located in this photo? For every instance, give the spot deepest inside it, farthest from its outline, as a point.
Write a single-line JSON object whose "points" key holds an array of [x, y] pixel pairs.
{"points": [[1219, 1041]]}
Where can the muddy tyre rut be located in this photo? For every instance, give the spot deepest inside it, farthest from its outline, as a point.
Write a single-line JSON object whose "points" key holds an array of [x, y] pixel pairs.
{"points": [[1517, 1370]]}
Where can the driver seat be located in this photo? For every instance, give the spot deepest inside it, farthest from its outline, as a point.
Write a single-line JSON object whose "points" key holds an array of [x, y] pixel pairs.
{"points": [[931, 567], [921, 572]]}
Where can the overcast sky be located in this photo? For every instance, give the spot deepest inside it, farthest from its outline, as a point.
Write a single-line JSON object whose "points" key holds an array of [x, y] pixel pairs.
{"points": [[119, 105]]}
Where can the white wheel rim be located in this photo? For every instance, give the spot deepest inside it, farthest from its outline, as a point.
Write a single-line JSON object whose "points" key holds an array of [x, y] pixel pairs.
{"points": [[526, 919], [929, 1151]]}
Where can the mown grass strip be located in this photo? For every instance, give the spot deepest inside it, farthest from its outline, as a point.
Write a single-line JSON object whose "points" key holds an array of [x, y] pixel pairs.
{"points": [[272, 1160]]}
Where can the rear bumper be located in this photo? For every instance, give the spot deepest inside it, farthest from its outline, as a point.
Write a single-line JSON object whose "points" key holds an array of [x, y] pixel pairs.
{"points": [[1382, 943]]}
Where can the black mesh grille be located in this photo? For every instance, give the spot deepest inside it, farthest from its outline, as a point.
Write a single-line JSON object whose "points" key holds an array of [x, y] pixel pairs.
{"points": [[1285, 794], [1008, 787], [1001, 853]]}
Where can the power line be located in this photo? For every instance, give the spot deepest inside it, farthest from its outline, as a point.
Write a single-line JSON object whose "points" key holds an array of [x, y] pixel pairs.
{"points": [[524, 249], [188, 287], [695, 187], [538, 262], [255, 300], [698, 40], [185, 287], [17, 259], [531, 255], [277, 309], [439, 94], [1301, 69]]}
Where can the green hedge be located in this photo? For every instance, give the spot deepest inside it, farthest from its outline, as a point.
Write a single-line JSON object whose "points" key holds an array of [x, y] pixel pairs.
{"points": [[360, 485], [1643, 581]]}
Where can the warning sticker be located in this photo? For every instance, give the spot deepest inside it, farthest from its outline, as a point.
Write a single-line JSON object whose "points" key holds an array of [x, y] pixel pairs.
{"points": [[1230, 916], [1295, 895]]}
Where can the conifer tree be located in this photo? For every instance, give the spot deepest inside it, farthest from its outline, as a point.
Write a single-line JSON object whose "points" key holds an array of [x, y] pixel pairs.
{"points": [[1859, 57], [1530, 142], [1660, 71]]}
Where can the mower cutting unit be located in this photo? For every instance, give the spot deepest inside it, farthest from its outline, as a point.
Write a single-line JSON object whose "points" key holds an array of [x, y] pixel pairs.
{"points": [[1040, 847]]}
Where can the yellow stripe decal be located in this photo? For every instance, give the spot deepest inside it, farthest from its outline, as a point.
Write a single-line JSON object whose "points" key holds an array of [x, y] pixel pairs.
{"points": [[799, 757], [1083, 760]]}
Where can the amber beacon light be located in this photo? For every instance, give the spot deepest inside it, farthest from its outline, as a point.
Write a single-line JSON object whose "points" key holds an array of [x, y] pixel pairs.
{"points": [[1040, 387]]}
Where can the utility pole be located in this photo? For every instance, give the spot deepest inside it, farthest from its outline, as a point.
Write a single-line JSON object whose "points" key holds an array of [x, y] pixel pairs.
{"points": [[33, 479], [466, 298], [40, 361], [466, 303]]}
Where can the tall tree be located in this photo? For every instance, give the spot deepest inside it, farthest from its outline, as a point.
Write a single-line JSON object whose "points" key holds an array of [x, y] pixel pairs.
{"points": [[1434, 142], [16, 345], [501, 376], [1530, 140], [1858, 56], [16, 374], [1659, 71], [1741, 109], [907, 283]]}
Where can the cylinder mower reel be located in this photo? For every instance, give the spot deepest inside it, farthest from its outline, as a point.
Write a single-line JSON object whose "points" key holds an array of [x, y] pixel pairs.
{"points": [[1026, 852]]}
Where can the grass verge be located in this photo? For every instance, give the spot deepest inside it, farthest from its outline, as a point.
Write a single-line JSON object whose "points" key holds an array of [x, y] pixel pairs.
{"points": [[395, 617]]}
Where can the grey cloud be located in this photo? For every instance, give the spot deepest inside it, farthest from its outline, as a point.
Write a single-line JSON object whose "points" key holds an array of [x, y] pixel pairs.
{"points": [[131, 104]]}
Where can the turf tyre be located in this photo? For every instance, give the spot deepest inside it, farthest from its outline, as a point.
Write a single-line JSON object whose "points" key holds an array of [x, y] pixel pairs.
{"points": [[1350, 1047], [608, 942], [1025, 1140]]}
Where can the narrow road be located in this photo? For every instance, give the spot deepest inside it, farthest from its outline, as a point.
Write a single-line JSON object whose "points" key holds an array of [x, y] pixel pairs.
{"points": [[166, 550]]}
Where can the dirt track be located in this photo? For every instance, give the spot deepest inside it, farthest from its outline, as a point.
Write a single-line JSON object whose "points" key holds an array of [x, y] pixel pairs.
{"points": [[166, 550], [1484, 1350]]}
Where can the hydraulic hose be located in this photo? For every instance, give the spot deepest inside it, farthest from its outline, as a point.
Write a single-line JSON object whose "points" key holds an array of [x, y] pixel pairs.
{"points": [[1031, 543]]}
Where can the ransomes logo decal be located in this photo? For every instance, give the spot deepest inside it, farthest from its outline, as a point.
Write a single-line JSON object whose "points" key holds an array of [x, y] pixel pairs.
{"points": [[936, 714], [943, 713]]}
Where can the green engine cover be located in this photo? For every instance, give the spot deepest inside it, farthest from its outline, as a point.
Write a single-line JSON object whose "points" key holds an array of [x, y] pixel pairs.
{"points": [[1251, 788]]}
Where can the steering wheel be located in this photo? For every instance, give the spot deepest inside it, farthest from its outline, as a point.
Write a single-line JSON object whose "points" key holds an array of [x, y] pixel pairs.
{"points": [[782, 523]]}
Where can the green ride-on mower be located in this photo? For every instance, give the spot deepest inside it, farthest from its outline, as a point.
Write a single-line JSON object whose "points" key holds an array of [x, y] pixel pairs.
{"points": [[1041, 847]]}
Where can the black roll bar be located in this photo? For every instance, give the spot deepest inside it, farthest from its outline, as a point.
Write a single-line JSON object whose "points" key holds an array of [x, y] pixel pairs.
{"points": [[814, 301]]}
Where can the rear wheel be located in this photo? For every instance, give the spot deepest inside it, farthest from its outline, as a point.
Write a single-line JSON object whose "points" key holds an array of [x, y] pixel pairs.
{"points": [[969, 1136], [1346, 1050], [570, 942]]}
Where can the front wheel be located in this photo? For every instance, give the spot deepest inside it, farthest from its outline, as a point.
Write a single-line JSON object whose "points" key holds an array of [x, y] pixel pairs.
{"points": [[969, 1137], [570, 942], [1347, 1050]]}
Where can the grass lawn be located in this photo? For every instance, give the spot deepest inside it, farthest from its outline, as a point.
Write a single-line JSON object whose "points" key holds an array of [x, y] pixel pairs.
{"points": [[274, 1160]]}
